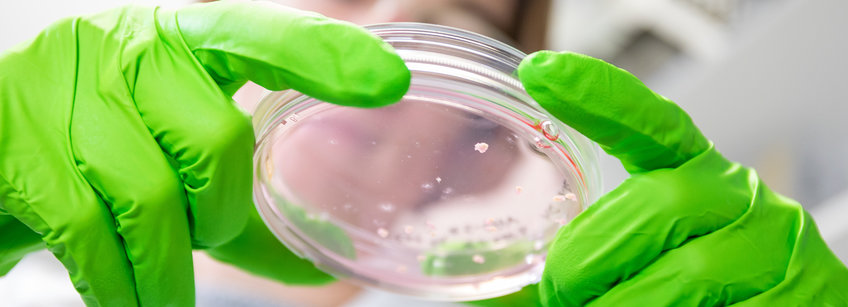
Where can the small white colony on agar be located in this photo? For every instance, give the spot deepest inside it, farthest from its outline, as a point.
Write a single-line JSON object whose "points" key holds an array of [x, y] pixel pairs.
{"points": [[382, 232]]}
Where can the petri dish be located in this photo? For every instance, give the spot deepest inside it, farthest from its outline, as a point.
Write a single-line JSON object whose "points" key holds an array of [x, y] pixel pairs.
{"points": [[454, 193]]}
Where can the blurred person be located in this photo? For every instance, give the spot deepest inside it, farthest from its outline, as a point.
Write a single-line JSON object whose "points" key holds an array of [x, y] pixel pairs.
{"points": [[137, 155], [520, 23]]}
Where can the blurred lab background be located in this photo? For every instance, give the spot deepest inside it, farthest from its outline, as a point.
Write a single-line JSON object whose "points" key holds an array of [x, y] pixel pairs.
{"points": [[763, 79]]}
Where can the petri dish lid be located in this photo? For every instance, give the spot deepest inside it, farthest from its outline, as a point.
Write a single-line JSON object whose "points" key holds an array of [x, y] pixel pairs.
{"points": [[453, 193]]}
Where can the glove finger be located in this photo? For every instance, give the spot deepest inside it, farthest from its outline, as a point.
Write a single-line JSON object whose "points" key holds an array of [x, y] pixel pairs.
{"points": [[80, 233], [126, 167], [279, 47], [39, 182], [613, 108], [632, 225], [724, 267], [211, 141], [199, 128]]}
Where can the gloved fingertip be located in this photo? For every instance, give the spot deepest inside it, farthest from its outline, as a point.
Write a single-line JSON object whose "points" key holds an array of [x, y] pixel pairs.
{"points": [[538, 58], [371, 74], [393, 81], [530, 66], [547, 67], [544, 74]]}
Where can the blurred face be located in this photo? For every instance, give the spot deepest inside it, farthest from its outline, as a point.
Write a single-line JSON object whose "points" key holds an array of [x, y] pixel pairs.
{"points": [[488, 17], [482, 16], [387, 161]]}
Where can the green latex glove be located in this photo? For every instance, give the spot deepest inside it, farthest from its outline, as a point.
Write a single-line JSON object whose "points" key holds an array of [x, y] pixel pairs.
{"points": [[122, 149], [688, 228]]}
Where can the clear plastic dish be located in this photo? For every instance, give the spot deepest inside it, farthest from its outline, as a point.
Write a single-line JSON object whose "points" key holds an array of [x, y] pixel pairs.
{"points": [[454, 193]]}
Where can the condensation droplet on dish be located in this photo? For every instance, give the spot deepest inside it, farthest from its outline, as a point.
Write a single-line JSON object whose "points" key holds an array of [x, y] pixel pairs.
{"points": [[550, 130]]}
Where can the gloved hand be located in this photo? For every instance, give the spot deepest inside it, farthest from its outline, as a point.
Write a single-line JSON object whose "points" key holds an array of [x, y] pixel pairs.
{"points": [[688, 228], [120, 147]]}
